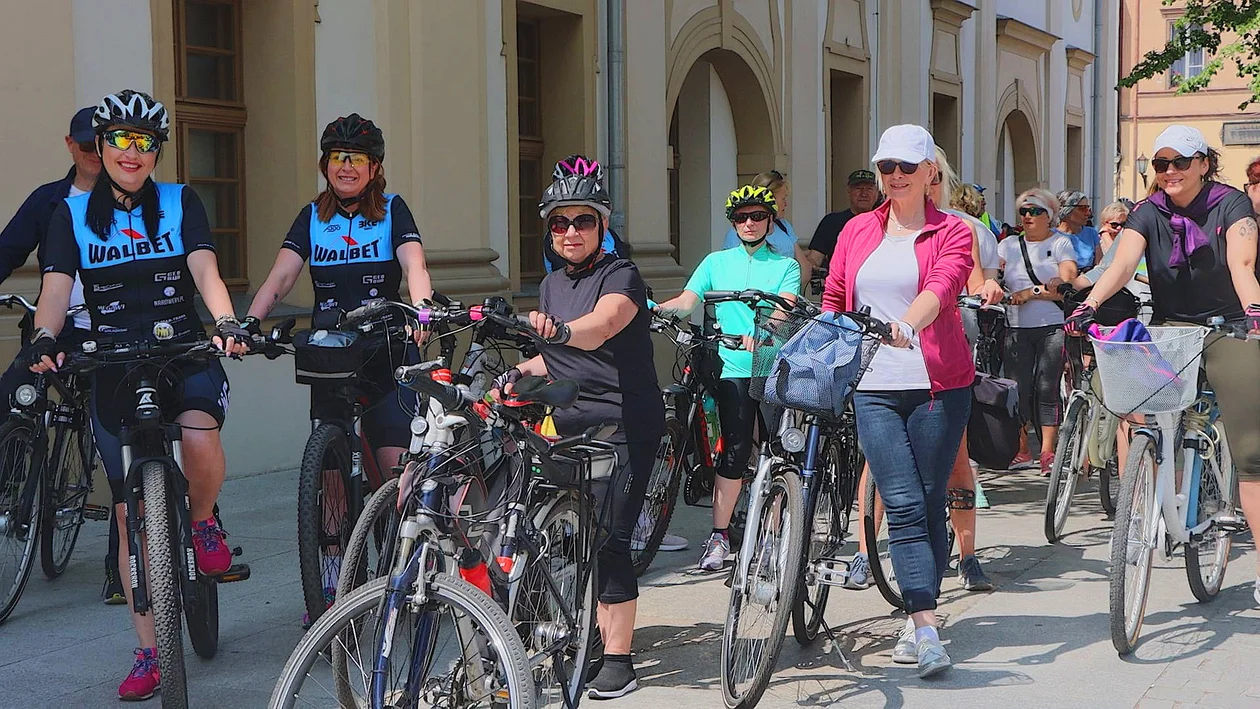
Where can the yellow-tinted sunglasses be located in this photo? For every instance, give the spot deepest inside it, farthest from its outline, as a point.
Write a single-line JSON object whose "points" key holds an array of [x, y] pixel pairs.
{"points": [[342, 156], [123, 139]]}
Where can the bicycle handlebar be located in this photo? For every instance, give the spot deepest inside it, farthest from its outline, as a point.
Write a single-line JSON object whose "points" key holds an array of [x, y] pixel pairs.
{"points": [[975, 302], [17, 301], [1236, 329], [749, 297]]}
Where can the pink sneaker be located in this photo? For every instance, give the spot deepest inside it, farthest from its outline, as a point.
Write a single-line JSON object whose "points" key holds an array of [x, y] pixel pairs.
{"points": [[145, 677], [1022, 460], [213, 555], [1047, 460]]}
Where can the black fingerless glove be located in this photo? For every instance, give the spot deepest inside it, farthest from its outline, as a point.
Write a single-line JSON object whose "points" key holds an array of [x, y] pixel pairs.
{"points": [[511, 376], [229, 326], [252, 325], [35, 352], [563, 333], [1079, 321]]}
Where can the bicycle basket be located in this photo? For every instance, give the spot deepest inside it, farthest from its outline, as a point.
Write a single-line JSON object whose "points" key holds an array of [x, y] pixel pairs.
{"points": [[1156, 377], [324, 355], [808, 364]]}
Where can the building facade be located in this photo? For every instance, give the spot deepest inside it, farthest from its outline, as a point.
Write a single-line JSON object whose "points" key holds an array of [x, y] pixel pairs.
{"points": [[1153, 104], [681, 99]]}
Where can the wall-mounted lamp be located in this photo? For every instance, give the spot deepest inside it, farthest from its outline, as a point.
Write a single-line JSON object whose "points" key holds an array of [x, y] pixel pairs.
{"points": [[1141, 163]]}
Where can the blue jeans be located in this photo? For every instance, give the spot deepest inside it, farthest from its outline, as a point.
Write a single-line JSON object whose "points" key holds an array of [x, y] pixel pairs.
{"points": [[910, 439]]}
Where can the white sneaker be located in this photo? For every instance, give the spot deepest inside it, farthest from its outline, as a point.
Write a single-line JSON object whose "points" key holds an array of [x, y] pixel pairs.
{"points": [[673, 542], [717, 549]]}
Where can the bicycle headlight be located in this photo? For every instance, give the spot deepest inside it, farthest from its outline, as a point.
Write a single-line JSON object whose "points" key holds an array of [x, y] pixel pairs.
{"points": [[793, 440], [25, 395]]}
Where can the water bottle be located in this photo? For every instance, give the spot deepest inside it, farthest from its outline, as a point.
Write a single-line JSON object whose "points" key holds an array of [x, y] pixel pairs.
{"points": [[711, 422]]}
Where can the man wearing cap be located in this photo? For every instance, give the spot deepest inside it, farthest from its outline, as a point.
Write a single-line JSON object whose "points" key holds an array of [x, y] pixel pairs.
{"points": [[985, 216], [863, 197]]}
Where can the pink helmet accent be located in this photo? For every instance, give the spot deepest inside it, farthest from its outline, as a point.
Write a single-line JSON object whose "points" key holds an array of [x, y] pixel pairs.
{"points": [[579, 165]]}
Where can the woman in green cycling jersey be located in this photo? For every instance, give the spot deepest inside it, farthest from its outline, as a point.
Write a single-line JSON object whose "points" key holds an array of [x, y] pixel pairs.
{"points": [[750, 264]]}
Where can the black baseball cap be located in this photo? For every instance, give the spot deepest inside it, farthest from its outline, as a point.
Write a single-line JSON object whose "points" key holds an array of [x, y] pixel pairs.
{"points": [[857, 177], [81, 130]]}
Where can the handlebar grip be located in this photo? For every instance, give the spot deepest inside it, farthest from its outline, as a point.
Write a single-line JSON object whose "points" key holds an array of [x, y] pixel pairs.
{"points": [[717, 296], [364, 312], [440, 299]]}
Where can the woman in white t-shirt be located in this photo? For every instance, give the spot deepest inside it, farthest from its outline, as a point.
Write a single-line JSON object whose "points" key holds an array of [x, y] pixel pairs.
{"points": [[1034, 336]]}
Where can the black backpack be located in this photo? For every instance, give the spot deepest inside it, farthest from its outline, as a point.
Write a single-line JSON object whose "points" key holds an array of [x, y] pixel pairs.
{"points": [[993, 429]]}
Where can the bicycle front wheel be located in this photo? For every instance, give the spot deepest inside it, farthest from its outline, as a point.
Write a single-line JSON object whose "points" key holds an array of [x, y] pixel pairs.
{"points": [[1133, 544], [164, 592], [455, 650], [662, 497], [18, 462], [69, 482], [1070, 458], [325, 514], [1207, 558], [760, 606]]}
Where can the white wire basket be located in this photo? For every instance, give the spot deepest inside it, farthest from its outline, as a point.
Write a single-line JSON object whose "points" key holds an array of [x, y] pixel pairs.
{"points": [[1156, 377]]}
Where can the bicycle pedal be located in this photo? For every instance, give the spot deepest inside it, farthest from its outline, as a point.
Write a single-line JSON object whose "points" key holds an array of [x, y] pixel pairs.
{"points": [[237, 551], [238, 572], [96, 513], [1231, 524], [831, 572]]}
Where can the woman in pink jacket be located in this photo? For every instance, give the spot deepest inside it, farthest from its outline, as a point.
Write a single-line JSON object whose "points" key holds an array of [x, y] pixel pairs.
{"points": [[908, 261]]}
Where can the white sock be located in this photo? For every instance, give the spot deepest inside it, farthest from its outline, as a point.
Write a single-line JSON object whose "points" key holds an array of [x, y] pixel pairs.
{"points": [[909, 627], [927, 631]]}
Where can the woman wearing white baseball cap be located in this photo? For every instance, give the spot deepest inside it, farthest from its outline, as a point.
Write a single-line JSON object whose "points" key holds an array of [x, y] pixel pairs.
{"points": [[1199, 238], [908, 261]]}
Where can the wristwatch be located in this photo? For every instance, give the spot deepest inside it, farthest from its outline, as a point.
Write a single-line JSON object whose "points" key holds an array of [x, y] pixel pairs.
{"points": [[1038, 290]]}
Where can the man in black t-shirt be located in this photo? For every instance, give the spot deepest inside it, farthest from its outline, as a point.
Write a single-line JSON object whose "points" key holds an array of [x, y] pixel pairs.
{"points": [[863, 197]]}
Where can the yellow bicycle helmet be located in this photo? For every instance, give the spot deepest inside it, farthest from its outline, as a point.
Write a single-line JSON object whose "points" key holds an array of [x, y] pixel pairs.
{"points": [[751, 196]]}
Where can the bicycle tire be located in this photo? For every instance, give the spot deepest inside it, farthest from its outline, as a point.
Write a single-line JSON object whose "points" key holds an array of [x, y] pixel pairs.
{"points": [[380, 509], [662, 495], [1205, 579], [17, 442], [441, 590], [327, 438], [76, 455], [1107, 478], [201, 613], [811, 600], [164, 586], [786, 484], [1126, 622], [1069, 454], [881, 563]]}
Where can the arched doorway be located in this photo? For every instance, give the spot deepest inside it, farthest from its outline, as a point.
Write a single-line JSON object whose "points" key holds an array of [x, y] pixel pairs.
{"points": [[720, 136], [1017, 163]]}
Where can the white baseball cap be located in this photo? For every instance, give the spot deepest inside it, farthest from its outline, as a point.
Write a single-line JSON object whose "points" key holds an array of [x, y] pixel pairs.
{"points": [[907, 143], [1185, 140]]}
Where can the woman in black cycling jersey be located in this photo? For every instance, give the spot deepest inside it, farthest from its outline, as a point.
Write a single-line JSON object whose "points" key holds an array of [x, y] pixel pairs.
{"points": [[593, 314], [361, 242], [143, 250]]}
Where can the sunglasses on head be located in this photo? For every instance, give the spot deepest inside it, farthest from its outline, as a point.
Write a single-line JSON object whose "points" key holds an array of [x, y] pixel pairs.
{"points": [[745, 216], [1031, 211], [886, 167], [1116, 225], [1181, 163], [559, 225], [123, 139], [343, 156]]}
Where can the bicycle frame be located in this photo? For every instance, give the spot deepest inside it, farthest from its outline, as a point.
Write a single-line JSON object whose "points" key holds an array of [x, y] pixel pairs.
{"points": [[767, 460]]}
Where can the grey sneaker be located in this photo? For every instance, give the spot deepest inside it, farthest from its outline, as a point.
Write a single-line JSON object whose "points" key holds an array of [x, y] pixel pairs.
{"points": [[716, 551], [673, 542], [905, 652], [932, 658], [859, 573], [972, 576]]}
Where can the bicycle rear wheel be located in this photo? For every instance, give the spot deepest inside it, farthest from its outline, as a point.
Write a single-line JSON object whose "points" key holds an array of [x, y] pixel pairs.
{"points": [[201, 612], [368, 553], [1207, 558], [759, 610], [69, 482], [824, 539], [18, 461], [878, 553], [1133, 544], [325, 515], [432, 651], [1108, 477], [662, 497], [164, 592], [1070, 458]]}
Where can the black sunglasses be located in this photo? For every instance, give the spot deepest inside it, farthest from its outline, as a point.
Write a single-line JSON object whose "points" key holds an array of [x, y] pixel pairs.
{"points": [[1031, 211], [745, 216], [1116, 225], [1181, 163], [886, 167], [559, 225]]}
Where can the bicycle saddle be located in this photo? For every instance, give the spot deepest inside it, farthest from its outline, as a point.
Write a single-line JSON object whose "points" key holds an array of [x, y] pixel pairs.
{"points": [[559, 394]]}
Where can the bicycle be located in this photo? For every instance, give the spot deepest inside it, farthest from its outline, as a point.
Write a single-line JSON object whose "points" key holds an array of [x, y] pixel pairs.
{"points": [[785, 490], [166, 579], [1155, 509], [48, 458]]}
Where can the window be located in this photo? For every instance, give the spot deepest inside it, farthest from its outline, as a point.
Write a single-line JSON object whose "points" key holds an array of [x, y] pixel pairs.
{"points": [[210, 122], [529, 127], [1188, 66]]}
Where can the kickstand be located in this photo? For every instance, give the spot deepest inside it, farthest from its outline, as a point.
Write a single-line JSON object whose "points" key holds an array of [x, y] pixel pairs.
{"points": [[832, 644]]}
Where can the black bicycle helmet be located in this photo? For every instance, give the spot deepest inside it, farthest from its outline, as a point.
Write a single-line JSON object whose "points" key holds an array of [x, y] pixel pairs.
{"points": [[132, 109], [575, 190], [355, 133]]}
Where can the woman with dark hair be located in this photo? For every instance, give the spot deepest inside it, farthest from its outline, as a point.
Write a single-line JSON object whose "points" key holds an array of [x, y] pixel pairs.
{"points": [[362, 243], [1199, 238], [143, 250]]}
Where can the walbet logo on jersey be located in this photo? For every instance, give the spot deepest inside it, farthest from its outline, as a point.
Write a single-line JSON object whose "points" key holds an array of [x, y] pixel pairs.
{"points": [[139, 247], [353, 252]]}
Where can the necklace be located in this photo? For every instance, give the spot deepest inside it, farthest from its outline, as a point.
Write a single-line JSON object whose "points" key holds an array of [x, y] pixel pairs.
{"points": [[897, 223]]}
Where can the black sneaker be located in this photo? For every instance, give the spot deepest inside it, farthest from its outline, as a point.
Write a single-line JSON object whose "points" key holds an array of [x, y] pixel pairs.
{"points": [[615, 679], [113, 590]]}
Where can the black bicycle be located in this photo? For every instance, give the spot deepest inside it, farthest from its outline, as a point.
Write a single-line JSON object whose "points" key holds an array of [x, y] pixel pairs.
{"points": [[47, 456]]}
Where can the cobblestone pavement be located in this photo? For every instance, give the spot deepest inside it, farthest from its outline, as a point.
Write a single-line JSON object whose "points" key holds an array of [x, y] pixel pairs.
{"points": [[1040, 640]]}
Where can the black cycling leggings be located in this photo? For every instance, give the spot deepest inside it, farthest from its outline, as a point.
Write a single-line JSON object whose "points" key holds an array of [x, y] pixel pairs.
{"points": [[1034, 359], [737, 412], [619, 500]]}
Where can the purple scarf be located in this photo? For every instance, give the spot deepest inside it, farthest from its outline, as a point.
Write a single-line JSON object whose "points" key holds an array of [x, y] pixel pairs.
{"points": [[1188, 237]]}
